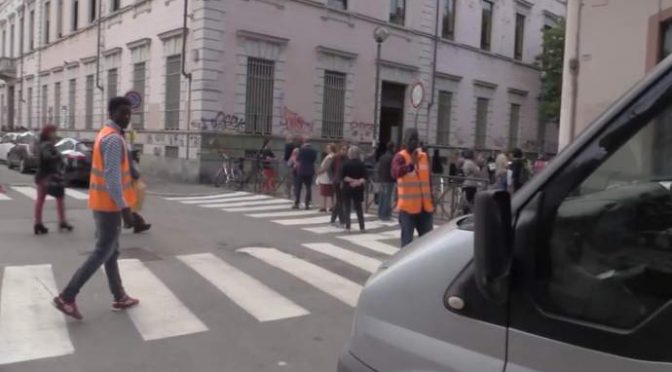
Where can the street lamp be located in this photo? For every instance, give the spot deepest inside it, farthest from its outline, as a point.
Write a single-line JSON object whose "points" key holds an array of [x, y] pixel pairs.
{"points": [[379, 35]]}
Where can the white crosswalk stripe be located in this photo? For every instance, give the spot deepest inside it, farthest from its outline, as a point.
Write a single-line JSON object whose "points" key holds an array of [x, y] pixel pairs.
{"points": [[247, 203], [260, 301], [206, 197], [161, 314], [370, 225], [258, 208], [335, 285], [309, 220], [4, 197], [31, 193], [28, 191], [227, 200], [355, 259], [30, 328], [288, 213], [372, 242], [77, 194]]}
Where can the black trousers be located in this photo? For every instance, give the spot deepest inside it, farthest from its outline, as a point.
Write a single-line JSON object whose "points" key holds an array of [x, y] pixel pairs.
{"points": [[306, 181], [348, 201], [338, 205]]}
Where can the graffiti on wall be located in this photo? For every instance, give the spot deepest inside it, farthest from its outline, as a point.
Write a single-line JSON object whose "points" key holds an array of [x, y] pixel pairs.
{"points": [[294, 124], [220, 123], [361, 131]]}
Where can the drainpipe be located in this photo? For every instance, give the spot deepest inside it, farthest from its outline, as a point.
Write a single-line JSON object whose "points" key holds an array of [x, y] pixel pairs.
{"points": [[430, 104], [186, 74], [23, 71], [38, 79], [98, 46]]}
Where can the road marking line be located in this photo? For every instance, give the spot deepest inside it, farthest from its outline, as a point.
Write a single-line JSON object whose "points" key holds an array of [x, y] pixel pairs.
{"points": [[311, 220], [226, 200], [260, 301], [206, 197], [4, 197], [30, 192], [160, 313], [30, 328], [77, 194], [363, 262], [260, 208], [289, 213], [369, 225], [372, 242], [337, 286], [245, 204]]}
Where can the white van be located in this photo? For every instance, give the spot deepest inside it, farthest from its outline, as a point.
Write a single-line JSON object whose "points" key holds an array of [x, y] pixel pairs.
{"points": [[573, 274]]}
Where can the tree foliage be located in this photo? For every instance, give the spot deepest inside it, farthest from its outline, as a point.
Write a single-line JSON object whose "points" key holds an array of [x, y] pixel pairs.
{"points": [[551, 63]]}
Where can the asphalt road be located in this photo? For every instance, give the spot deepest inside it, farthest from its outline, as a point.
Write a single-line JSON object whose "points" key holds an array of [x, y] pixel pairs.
{"points": [[227, 283]]}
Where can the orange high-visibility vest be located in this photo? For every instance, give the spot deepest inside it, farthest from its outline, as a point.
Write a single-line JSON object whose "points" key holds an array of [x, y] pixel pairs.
{"points": [[99, 199], [414, 191]]}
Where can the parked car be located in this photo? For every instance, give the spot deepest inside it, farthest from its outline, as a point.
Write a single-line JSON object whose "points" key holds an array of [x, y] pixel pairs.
{"points": [[24, 154], [7, 141], [76, 159]]}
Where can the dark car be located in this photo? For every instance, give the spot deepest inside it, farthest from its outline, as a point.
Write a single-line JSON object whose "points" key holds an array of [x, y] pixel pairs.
{"points": [[76, 159], [24, 154]]}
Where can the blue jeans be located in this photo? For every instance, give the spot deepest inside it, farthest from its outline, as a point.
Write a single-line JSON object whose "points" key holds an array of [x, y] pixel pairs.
{"points": [[108, 228], [385, 200], [423, 222]]}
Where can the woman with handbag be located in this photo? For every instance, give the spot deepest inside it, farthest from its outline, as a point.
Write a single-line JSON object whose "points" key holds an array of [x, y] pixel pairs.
{"points": [[48, 180]]}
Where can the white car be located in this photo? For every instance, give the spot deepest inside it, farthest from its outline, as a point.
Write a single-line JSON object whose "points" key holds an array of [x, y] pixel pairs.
{"points": [[6, 143]]}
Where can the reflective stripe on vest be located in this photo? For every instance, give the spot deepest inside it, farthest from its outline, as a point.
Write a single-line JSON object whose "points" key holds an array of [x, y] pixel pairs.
{"points": [[414, 191], [99, 197]]}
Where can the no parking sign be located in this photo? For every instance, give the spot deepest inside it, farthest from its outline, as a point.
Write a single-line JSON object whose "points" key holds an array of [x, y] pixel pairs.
{"points": [[135, 98]]}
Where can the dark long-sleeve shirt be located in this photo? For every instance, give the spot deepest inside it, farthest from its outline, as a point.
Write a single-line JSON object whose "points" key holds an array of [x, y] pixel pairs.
{"points": [[385, 168], [307, 157]]}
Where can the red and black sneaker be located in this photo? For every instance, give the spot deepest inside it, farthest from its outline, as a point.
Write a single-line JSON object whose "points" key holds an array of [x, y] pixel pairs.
{"points": [[124, 303], [67, 308]]}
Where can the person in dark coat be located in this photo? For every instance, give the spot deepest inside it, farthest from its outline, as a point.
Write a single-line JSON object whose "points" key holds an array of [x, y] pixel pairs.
{"points": [[305, 173], [337, 171], [48, 169], [386, 183], [354, 176]]}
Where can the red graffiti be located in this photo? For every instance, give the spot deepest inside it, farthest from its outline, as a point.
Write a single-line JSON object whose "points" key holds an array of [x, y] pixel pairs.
{"points": [[295, 124], [361, 130]]}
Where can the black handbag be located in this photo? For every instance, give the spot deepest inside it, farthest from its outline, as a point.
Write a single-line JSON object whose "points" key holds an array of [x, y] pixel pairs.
{"points": [[55, 187]]}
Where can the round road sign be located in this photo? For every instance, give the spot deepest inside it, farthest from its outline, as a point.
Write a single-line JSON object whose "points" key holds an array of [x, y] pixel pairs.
{"points": [[417, 94], [135, 98]]}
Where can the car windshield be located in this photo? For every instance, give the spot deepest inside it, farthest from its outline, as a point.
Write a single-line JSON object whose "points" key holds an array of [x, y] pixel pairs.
{"points": [[26, 138]]}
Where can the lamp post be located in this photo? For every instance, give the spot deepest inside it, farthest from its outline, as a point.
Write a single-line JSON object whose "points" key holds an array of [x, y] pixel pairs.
{"points": [[379, 34]]}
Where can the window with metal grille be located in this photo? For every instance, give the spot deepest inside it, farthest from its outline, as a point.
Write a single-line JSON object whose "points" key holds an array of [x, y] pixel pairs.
{"points": [[57, 104], [59, 18], [259, 97], [520, 37], [75, 15], [338, 4], [116, 4], [112, 78], [172, 152], [29, 104], [89, 102], [514, 121], [333, 104], [93, 4], [44, 119], [448, 29], [4, 43], [486, 24], [138, 117], [172, 104], [31, 31], [443, 122], [47, 21], [72, 89], [398, 12], [482, 105]]}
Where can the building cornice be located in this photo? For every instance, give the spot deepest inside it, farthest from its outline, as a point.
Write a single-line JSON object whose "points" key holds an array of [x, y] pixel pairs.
{"points": [[57, 69], [171, 34], [87, 60], [484, 84], [252, 35], [398, 65], [518, 92], [44, 73], [335, 52], [139, 43], [112, 51], [443, 75], [71, 65]]}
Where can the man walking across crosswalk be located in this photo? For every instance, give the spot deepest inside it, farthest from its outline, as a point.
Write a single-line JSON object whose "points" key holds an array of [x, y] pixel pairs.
{"points": [[110, 196]]}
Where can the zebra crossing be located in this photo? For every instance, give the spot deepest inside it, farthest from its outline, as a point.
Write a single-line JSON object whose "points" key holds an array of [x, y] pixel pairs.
{"points": [[31, 329], [30, 192]]}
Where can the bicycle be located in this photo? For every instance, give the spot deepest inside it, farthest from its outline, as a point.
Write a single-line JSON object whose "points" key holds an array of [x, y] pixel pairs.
{"points": [[228, 174]]}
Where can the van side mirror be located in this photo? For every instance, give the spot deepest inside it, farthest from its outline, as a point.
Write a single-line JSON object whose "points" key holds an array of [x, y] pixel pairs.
{"points": [[493, 243]]}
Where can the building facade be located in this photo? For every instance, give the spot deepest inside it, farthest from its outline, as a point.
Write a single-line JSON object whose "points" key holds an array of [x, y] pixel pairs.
{"points": [[629, 38], [278, 68]]}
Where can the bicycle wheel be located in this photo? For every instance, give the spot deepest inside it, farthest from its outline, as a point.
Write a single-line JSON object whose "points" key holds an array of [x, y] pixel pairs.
{"points": [[220, 178]]}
